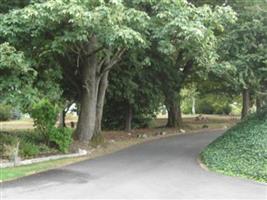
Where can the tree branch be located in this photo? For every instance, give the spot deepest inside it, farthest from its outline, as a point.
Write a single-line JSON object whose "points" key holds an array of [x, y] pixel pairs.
{"points": [[95, 51], [112, 62], [101, 64]]}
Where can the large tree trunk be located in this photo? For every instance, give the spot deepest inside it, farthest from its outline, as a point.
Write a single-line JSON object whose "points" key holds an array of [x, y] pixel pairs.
{"points": [[128, 117], [246, 102], [87, 115], [174, 112], [94, 76], [103, 84]]}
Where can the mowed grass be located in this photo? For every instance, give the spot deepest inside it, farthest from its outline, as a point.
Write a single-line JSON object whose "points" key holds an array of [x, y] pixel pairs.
{"points": [[21, 171], [241, 151], [22, 124], [27, 123]]}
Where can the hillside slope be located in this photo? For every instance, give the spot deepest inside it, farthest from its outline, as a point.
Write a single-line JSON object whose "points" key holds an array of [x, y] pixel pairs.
{"points": [[241, 151]]}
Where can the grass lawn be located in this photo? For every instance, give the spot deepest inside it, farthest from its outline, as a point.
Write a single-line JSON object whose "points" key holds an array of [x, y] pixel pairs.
{"points": [[241, 151], [20, 171], [213, 121]]}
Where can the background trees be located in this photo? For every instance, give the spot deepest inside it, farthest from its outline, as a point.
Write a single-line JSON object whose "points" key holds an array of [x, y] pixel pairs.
{"points": [[69, 51], [243, 45], [134, 92], [245, 48], [186, 38]]}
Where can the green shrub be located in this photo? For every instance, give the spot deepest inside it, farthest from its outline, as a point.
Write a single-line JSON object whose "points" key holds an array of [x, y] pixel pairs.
{"points": [[5, 112], [44, 149], [27, 149], [6, 138], [224, 109], [212, 104], [31, 144], [31, 136], [44, 115], [62, 137], [242, 150], [236, 108], [7, 145], [262, 114], [205, 108]]}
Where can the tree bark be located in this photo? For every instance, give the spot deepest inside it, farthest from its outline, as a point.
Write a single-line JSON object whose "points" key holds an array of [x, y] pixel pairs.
{"points": [[87, 115], [174, 113], [94, 76], [128, 118], [103, 85], [246, 103]]}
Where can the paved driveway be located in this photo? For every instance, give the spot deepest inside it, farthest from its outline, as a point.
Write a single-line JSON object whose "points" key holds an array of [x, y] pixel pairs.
{"points": [[161, 169]]}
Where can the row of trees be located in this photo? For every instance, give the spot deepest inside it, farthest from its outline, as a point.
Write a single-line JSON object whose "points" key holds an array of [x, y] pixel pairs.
{"points": [[70, 51]]}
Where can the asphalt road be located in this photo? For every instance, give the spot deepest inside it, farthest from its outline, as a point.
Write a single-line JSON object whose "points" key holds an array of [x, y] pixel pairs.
{"points": [[160, 169]]}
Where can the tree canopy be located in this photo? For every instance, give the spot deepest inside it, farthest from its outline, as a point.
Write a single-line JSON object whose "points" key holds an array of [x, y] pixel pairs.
{"points": [[146, 51]]}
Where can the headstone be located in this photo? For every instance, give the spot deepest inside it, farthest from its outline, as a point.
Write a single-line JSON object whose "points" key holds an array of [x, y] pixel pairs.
{"points": [[163, 133], [182, 131], [145, 136]]}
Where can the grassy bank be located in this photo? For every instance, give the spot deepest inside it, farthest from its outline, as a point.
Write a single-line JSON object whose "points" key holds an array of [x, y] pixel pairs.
{"points": [[241, 151], [20, 171]]}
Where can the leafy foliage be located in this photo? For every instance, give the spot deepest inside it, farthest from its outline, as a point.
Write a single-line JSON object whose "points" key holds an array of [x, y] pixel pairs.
{"points": [[186, 39], [44, 115], [132, 86], [7, 5], [5, 112], [16, 76], [241, 151], [188, 33], [28, 149], [30, 145], [62, 137], [244, 48], [214, 104]]}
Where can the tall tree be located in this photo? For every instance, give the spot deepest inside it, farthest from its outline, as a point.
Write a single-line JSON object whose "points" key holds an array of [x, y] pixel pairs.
{"points": [[187, 42], [245, 47], [91, 35]]}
